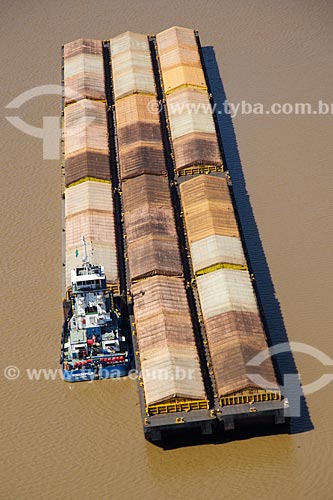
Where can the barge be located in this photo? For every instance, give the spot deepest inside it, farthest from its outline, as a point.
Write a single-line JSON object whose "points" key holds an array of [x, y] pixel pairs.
{"points": [[145, 177]]}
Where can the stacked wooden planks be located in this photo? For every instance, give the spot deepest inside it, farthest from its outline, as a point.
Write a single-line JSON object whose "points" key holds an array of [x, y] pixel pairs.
{"points": [[191, 122], [210, 221], [150, 227], [228, 303], [168, 352], [83, 70], [89, 210], [139, 136], [164, 331], [86, 141]]}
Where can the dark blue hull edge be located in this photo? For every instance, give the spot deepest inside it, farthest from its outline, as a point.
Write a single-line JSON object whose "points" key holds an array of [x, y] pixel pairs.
{"points": [[107, 372]]}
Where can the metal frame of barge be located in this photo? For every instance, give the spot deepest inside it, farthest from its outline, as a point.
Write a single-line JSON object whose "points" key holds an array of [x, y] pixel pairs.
{"points": [[220, 415], [179, 417], [176, 415], [174, 418], [99, 367]]}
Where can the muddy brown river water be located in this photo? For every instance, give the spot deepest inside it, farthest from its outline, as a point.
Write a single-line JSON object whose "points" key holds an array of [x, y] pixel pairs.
{"points": [[84, 441]]}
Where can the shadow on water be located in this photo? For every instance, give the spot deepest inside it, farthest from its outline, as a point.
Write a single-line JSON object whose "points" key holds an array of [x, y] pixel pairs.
{"points": [[194, 438], [272, 315]]}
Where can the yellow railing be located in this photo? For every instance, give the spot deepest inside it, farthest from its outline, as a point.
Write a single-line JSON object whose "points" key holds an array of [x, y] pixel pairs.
{"points": [[74, 101], [135, 92], [186, 85], [84, 179], [216, 267], [114, 287], [154, 273], [173, 406], [199, 169], [250, 396]]}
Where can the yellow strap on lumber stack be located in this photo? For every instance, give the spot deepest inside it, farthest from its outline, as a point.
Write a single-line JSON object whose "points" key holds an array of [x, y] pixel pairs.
{"points": [[216, 267]]}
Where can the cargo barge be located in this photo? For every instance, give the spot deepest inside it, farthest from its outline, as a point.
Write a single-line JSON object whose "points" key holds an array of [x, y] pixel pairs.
{"points": [[95, 338], [170, 227]]}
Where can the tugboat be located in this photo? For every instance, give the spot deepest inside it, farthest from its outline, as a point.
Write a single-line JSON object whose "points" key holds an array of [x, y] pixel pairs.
{"points": [[93, 344]]}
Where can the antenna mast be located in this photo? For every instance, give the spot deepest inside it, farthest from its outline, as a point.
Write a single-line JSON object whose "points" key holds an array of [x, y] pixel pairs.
{"points": [[85, 258]]}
